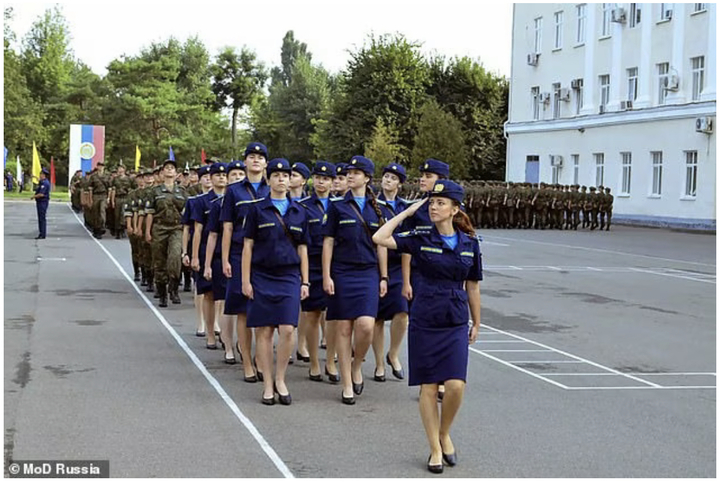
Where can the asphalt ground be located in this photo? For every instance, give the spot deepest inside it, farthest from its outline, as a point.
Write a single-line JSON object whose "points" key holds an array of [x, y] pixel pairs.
{"points": [[596, 359]]}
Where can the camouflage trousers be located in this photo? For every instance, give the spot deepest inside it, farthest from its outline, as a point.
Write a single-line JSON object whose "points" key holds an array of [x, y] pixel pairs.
{"points": [[99, 208], [166, 253], [119, 214]]}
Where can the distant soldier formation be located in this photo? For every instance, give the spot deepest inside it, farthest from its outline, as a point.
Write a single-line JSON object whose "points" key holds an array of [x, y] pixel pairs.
{"points": [[523, 205]]}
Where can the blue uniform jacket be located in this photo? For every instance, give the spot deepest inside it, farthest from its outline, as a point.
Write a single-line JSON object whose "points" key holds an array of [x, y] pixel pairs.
{"points": [[235, 208], [186, 221], [43, 188], [421, 219], [273, 251], [353, 245], [400, 205], [438, 277], [315, 213], [199, 212], [214, 224]]}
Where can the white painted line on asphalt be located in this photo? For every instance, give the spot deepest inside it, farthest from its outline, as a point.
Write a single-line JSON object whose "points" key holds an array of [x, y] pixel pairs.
{"points": [[515, 267], [545, 361], [621, 253], [593, 269], [670, 275], [51, 259], [555, 268], [500, 361], [516, 350], [672, 373], [567, 354], [577, 374], [499, 342], [269, 451], [634, 388], [488, 243]]}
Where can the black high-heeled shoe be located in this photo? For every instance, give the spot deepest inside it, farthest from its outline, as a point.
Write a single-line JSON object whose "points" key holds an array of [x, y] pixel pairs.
{"points": [[332, 377], [314, 377], [399, 374], [378, 378], [348, 400], [302, 358], [286, 399], [434, 468], [450, 459], [358, 388], [268, 401]]}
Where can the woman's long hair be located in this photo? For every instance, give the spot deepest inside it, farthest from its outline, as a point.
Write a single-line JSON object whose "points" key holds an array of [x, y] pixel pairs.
{"points": [[372, 198], [461, 221]]}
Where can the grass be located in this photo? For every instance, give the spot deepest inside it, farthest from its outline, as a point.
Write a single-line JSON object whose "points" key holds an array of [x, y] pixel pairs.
{"points": [[60, 194]]}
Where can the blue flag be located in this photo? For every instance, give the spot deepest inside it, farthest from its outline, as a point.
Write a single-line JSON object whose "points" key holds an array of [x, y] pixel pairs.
{"points": [[5, 159], [171, 155]]}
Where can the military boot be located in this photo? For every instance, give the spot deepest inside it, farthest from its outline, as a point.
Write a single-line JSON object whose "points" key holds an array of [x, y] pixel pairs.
{"points": [[137, 272], [150, 278], [187, 280], [162, 294], [173, 290]]}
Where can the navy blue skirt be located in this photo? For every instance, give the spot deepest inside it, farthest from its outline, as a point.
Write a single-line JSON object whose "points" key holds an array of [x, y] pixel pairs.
{"points": [[393, 302], [202, 285], [356, 292], [235, 301], [276, 298], [317, 299], [219, 281]]}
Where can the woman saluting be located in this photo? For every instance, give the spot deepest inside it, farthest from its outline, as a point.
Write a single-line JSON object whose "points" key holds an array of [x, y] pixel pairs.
{"points": [[449, 267], [275, 275]]}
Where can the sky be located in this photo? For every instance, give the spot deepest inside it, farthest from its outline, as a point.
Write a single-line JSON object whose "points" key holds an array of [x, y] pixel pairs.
{"points": [[103, 30]]}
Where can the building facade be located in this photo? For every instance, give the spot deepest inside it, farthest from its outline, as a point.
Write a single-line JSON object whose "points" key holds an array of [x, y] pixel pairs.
{"points": [[619, 95]]}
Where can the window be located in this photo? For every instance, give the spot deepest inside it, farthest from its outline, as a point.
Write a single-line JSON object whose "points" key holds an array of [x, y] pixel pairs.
{"points": [[599, 168], [538, 35], [634, 14], [535, 92], [578, 95], [632, 83], [663, 70], [556, 100], [656, 173], [576, 168], [690, 174], [698, 76], [699, 7], [604, 90], [666, 11], [626, 171], [606, 16], [580, 37], [556, 170], [558, 30]]}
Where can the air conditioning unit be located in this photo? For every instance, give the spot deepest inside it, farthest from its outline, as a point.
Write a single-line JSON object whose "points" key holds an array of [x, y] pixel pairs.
{"points": [[556, 160], [532, 59], [618, 15], [564, 94], [671, 83], [544, 97], [576, 83], [625, 105], [601, 109], [703, 124]]}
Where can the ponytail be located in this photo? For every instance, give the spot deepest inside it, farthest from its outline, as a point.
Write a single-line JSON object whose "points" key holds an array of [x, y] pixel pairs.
{"points": [[373, 203], [462, 222]]}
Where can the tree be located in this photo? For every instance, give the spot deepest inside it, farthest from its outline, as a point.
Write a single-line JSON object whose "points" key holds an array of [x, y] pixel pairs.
{"points": [[237, 79], [440, 136], [383, 148], [291, 51]]}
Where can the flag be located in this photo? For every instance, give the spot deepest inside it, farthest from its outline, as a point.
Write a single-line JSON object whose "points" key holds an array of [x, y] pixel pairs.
{"points": [[18, 171], [202, 155], [36, 167], [87, 147], [5, 159], [171, 155], [52, 173], [137, 158]]}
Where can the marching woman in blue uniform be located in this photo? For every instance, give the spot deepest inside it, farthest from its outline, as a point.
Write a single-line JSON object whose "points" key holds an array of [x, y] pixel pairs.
{"points": [[275, 275], [42, 200], [232, 214], [448, 271], [354, 272], [213, 261], [199, 216], [340, 187], [313, 307], [393, 306]]}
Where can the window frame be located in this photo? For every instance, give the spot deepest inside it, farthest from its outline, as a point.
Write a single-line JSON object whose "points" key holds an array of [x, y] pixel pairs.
{"points": [[691, 172], [535, 94], [698, 77], [626, 173], [599, 168], [635, 15], [581, 24], [664, 9], [575, 157], [606, 25], [538, 21], [656, 159], [558, 34], [556, 100], [662, 92], [604, 90], [632, 83]]}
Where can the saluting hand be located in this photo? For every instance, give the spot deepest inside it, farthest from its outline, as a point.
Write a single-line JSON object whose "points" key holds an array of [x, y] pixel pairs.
{"points": [[414, 208], [329, 286], [247, 290], [383, 288]]}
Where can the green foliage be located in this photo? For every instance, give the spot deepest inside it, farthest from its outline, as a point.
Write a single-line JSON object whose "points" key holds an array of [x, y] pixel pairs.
{"points": [[383, 147], [440, 136]]}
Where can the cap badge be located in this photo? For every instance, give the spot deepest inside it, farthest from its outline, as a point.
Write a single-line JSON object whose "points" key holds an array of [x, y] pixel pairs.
{"points": [[427, 166], [323, 169], [257, 147], [222, 169], [279, 165], [354, 162], [439, 188], [394, 167]]}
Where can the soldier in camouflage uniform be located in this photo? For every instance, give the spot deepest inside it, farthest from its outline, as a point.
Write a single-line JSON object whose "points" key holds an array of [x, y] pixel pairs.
{"points": [[585, 206], [145, 250], [98, 186], [130, 208], [75, 191], [592, 205], [609, 199], [120, 187], [163, 230]]}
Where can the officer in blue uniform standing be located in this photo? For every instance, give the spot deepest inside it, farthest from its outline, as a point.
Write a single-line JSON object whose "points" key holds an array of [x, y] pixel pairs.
{"points": [[354, 272], [393, 306], [42, 200], [232, 215], [313, 307], [298, 179], [275, 275], [446, 282]]}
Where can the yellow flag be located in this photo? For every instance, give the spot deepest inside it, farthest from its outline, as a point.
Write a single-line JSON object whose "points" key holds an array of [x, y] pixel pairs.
{"points": [[36, 165], [137, 158]]}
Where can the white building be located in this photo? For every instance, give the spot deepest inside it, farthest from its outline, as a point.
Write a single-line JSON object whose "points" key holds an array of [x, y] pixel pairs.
{"points": [[620, 95]]}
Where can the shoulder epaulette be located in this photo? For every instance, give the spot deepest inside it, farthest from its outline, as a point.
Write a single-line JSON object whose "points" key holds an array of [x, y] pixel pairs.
{"points": [[304, 199], [336, 199], [382, 202]]}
